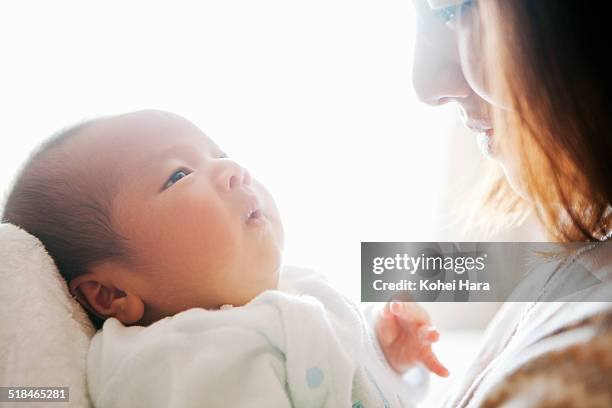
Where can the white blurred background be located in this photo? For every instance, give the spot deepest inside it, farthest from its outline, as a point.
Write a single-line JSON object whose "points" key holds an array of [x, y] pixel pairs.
{"points": [[313, 97]]}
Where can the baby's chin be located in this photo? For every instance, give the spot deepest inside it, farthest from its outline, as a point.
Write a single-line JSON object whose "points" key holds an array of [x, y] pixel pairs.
{"points": [[255, 288], [271, 281]]}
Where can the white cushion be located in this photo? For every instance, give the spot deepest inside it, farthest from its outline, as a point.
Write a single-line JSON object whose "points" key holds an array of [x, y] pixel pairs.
{"points": [[44, 332]]}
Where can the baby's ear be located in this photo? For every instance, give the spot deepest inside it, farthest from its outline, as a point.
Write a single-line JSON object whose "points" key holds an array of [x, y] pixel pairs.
{"points": [[104, 299]]}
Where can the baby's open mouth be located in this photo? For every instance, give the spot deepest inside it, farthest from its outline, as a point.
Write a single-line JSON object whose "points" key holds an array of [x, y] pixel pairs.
{"points": [[254, 214], [255, 218]]}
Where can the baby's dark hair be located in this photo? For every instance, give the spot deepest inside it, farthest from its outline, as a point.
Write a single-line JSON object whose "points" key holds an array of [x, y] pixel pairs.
{"points": [[59, 198]]}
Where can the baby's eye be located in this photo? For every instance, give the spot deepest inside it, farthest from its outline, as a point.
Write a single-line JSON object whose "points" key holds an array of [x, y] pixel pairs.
{"points": [[176, 176], [450, 14]]}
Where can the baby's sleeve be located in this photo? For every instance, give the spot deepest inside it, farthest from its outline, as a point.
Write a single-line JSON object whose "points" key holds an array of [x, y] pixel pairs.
{"points": [[226, 366], [417, 378]]}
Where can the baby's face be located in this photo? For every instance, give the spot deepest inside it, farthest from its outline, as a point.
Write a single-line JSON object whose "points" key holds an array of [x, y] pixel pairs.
{"points": [[202, 231]]}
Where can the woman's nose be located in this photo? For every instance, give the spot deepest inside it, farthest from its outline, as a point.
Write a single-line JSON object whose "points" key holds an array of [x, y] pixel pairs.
{"points": [[230, 175], [437, 76]]}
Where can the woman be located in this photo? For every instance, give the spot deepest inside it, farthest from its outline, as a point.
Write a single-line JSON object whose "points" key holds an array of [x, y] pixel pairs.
{"points": [[529, 77]]}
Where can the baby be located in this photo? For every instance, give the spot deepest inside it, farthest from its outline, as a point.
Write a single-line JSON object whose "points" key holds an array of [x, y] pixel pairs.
{"points": [[177, 249]]}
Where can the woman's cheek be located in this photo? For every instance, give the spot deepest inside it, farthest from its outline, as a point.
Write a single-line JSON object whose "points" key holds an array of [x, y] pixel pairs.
{"points": [[475, 64], [472, 60]]}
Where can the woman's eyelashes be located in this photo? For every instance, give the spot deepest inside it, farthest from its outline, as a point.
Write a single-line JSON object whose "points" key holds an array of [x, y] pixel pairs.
{"points": [[449, 14], [175, 177]]}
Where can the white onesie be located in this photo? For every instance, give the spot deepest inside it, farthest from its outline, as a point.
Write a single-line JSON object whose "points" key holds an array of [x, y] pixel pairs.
{"points": [[304, 345]]}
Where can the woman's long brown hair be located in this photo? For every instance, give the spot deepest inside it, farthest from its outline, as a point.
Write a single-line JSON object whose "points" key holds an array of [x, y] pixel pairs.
{"points": [[550, 64]]}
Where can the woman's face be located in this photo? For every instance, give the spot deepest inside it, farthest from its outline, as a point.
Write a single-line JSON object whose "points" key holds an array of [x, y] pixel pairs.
{"points": [[450, 67]]}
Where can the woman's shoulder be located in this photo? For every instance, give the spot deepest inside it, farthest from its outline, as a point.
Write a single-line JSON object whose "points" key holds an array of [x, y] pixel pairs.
{"points": [[583, 274], [559, 350], [570, 368]]}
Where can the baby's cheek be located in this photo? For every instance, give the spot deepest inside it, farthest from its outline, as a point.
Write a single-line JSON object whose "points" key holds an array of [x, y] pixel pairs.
{"points": [[212, 239], [193, 238]]}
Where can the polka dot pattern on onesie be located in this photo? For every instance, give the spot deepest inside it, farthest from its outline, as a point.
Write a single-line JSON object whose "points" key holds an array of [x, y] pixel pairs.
{"points": [[314, 377]]}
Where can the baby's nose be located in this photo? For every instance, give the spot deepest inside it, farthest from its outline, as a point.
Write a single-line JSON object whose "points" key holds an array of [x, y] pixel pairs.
{"points": [[232, 175]]}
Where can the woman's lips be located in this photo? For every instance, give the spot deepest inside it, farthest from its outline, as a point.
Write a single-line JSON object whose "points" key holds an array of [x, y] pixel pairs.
{"points": [[485, 143], [479, 126], [484, 135]]}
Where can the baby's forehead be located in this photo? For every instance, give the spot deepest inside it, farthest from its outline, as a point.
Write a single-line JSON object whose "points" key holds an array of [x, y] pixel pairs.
{"points": [[137, 133], [106, 156], [116, 143], [143, 124]]}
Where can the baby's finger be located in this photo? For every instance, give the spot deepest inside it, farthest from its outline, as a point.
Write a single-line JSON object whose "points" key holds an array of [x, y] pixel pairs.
{"points": [[389, 308], [433, 364], [428, 335], [409, 312], [387, 329]]}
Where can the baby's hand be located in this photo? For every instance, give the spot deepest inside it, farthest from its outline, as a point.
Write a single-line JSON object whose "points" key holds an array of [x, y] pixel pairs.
{"points": [[405, 335]]}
